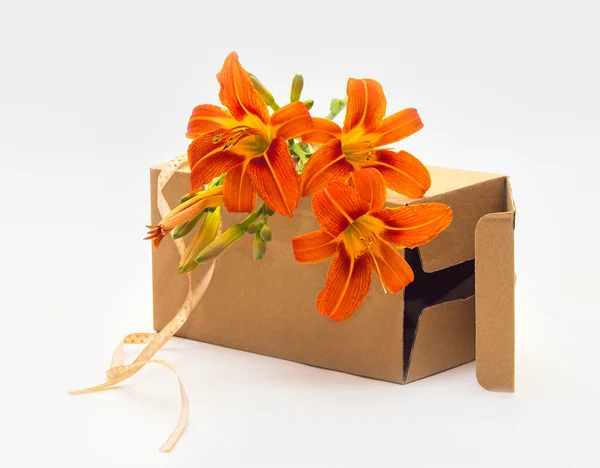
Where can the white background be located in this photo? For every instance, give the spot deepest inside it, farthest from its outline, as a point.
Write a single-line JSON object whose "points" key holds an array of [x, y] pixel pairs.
{"points": [[93, 93]]}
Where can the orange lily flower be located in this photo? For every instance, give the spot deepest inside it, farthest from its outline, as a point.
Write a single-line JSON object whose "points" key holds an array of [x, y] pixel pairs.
{"points": [[362, 237], [359, 144], [247, 143], [185, 212]]}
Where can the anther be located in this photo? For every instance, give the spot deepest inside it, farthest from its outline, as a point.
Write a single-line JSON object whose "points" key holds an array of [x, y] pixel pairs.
{"points": [[230, 143]]}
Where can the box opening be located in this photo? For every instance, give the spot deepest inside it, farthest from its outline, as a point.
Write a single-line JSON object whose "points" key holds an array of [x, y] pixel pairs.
{"points": [[428, 289]]}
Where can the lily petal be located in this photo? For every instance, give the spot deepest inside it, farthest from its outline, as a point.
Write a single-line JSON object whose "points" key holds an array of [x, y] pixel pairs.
{"points": [[347, 285], [238, 192], [207, 118], [291, 121], [403, 173], [237, 92], [327, 164], [314, 247], [369, 183], [413, 225], [337, 206], [207, 160], [366, 105], [324, 131], [398, 126], [275, 178], [204, 145], [391, 268]]}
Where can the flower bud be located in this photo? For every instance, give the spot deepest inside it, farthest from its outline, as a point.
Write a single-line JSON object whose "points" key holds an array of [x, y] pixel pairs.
{"points": [[270, 211], [309, 103], [255, 227], [297, 85], [220, 244], [205, 235], [259, 248], [265, 94], [265, 233], [185, 228], [337, 105]]}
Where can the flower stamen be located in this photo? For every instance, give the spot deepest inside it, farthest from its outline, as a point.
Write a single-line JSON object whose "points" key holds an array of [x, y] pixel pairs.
{"points": [[379, 273], [359, 152]]}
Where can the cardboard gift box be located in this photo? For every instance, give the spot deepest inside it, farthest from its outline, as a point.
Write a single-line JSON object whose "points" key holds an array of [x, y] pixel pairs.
{"points": [[459, 308]]}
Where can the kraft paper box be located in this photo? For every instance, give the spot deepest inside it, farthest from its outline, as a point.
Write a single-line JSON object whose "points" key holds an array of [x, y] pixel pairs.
{"points": [[459, 308]]}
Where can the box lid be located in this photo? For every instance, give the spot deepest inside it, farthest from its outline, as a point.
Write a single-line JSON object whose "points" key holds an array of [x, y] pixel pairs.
{"points": [[495, 298]]}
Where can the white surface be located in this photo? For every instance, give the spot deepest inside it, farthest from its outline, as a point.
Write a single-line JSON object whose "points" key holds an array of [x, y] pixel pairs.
{"points": [[93, 93]]}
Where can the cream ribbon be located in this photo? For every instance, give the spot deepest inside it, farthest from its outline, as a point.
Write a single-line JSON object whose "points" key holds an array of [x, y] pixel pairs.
{"points": [[155, 341]]}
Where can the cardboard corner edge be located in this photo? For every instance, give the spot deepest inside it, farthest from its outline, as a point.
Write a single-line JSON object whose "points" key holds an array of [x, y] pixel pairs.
{"points": [[495, 299], [154, 172]]}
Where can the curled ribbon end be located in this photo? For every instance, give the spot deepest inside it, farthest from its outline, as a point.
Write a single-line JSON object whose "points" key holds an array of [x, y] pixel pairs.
{"points": [[118, 372]]}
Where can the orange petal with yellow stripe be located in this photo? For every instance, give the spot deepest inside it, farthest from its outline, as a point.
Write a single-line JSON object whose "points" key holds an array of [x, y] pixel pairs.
{"points": [[366, 105], [326, 165], [275, 178], [337, 206], [207, 160], [238, 192], [291, 121], [403, 173], [370, 185], [204, 145], [347, 285], [391, 268], [207, 118], [413, 225], [324, 131], [314, 247], [398, 126], [237, 92]]}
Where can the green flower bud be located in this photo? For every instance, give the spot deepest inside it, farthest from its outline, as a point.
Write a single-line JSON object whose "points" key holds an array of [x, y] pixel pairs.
{"points": [[270, 211], [265, 94], [185, 228], [255, 227], [205, 235], [309, 103], [220, 244], [187, 197], [337, 105], [297, 85], [265, 233], [259, 248]]}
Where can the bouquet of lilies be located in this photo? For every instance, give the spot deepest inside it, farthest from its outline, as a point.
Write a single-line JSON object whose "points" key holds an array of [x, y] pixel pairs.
{"points": [[242, 151]]}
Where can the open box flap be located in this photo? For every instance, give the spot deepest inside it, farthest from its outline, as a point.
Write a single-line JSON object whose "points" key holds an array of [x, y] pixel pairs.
{"points": [[495, 298], [445, 338]]}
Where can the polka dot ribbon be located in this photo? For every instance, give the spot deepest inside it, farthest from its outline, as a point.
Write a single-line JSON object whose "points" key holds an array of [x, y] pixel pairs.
{"points": [[119, 372]]}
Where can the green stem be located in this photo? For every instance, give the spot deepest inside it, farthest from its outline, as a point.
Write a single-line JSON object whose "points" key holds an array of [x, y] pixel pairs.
{"points": [[295, 147], [248, 220], [217, 181], [213, 183]]}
